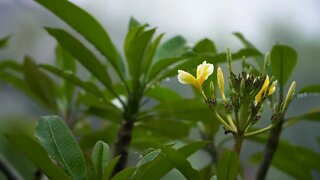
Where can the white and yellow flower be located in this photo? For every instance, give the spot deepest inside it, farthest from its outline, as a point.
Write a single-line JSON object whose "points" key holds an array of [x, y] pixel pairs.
{"points": [[204, 70], [265, 88]]}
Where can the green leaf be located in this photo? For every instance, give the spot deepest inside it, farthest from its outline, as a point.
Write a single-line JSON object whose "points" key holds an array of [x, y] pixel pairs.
{"points": [[205, 46], [244, 41], [309, 90], [133, 23], [4, 41], [83, 55], [162, 164], [173, 47], [39, 83], [283, 60], [108, 171], [106, 134], [100, 158], [80, 21], [227, 168], [162, 93], [64, 59], [124, 174], [290, 158], [312, 115], [37, 154], [135, 54], [61, 145], [70, 77], [10, 64], [149, 157]]}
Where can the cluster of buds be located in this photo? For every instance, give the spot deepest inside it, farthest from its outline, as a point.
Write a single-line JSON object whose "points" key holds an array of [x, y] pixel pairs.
{"points": [[248, 91]]}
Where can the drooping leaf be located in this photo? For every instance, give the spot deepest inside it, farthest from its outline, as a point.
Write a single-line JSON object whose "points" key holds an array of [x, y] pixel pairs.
{"points": [[70, 77], [228, 164], [100, 158], [312, 115], [37, 154], [283, 61], [39, 83], [205, 46], [4, 41], [80, 21], [10, 64], [161, 164], [172, 47], [82, 54], [61, 145]]}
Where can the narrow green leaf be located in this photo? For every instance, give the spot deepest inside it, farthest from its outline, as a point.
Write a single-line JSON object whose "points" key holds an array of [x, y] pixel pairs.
{"points": [[124, 174], [64, 59], [82, 54], [163, 64], [205, 46], [283, 60], [39, 83], [61, 145], [172, 47], [244, 41], [80, 21], [70, 77], [309, 91], [312, 115], [10, 64], [135, 53], [100, 158], [148, 157], [108, 171], [4, 41], [37, 154], [227, 168]]}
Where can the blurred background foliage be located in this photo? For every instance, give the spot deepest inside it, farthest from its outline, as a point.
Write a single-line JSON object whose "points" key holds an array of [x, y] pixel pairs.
{"points": [[263, 23]]}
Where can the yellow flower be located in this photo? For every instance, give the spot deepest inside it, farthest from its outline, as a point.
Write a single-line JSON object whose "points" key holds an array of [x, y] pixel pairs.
{"points": [[265, 88], [204, 70], [221, 82]]}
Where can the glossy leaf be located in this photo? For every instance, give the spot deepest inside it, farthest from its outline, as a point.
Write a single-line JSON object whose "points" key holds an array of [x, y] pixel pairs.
{"points": [[227, 168], [37, 154], [39, 83], [82, 54], [283, 61], [172, 47], [205, 46], [80, 21], [61, 145], [100, 158]]}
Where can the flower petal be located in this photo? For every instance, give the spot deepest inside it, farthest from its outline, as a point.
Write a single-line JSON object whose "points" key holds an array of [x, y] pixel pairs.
{"points": [[221, 82], [203, 72], [272, 88], [263, 89], [186, 78]]}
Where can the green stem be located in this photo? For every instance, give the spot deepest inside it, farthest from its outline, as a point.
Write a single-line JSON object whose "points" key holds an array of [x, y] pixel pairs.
{"points": [[223, 121], [231, 122], [259, 131]]}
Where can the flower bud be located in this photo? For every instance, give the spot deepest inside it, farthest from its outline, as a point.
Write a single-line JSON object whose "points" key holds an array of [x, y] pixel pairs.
{"points": [[289, 96], [229, 59], [221, 83]]}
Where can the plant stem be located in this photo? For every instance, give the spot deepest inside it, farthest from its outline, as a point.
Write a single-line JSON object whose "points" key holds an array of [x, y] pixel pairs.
{"points": [[231, 122], [8, 170], [223, 121], [122, 145], [270, 150], [238, 139]]}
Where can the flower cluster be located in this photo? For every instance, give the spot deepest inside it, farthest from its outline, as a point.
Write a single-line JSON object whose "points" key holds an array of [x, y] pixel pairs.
{"points": [[248, 91]]}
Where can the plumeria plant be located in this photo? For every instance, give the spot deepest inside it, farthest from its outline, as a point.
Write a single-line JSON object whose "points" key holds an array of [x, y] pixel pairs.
{"points": [[244, 106]]}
